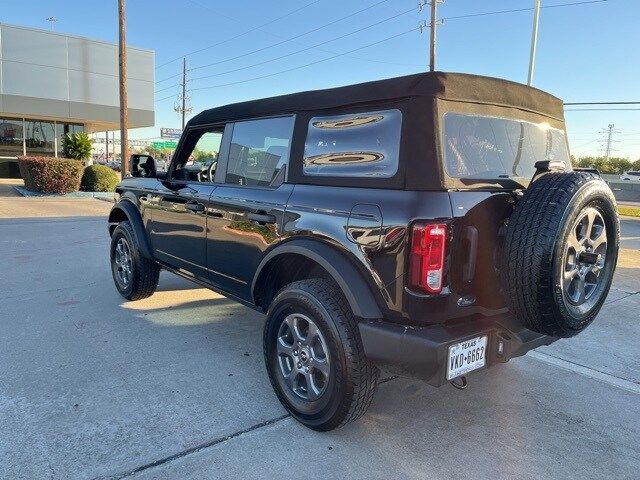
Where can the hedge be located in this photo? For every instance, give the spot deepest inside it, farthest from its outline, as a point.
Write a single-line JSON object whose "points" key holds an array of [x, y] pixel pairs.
{"points": [[51, 175], [98, 178]]}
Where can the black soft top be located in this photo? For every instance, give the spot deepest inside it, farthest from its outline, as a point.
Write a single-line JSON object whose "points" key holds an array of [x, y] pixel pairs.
{"points": [[447, 86], [423, 99]]}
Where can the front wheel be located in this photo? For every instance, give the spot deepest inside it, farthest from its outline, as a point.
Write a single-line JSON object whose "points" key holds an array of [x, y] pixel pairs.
{"points": [[314, 356], [135, 276]]}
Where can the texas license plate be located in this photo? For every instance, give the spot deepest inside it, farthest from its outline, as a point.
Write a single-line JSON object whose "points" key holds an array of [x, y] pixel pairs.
{"points": [[466, 356]]}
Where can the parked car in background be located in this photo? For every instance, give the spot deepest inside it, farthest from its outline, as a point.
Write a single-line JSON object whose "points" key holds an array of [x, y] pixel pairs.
{"points": [[630, 176], [115, 165]]}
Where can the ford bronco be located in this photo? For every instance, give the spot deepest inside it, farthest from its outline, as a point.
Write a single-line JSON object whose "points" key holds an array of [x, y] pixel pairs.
{"points": [[431, 223]]}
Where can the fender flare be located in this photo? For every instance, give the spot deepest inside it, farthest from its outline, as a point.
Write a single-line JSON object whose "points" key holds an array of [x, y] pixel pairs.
{"points": [[355, 288], [135, 219]]}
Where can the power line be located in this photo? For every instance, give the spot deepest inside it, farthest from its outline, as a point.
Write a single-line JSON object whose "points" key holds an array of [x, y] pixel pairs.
{"points": [[518, 10], [301, 66], [602, 103], [342, 53], [289, 39], [310, 63], [601, 109], [307, 48], [585, 144], [295, 37], [167, 88], [286, 40], [253, 29]]}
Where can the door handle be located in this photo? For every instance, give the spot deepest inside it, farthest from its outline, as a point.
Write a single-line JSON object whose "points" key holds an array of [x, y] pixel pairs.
{"points": [[194, 206], [261, 218]]}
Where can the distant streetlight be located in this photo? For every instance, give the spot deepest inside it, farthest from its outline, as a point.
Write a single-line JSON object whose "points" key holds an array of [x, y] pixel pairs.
{"points": [[53, 21]]}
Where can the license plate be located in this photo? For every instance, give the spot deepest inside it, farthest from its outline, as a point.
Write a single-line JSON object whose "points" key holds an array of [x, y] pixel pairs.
{"points": [[466, 356]]}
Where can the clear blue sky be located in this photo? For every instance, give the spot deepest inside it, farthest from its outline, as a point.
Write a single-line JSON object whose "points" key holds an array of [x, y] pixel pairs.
{"points": [[586, 52]]}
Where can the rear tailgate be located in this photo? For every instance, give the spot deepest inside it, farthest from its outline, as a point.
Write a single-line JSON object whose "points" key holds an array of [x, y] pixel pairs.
{"points": [[479, 217]]}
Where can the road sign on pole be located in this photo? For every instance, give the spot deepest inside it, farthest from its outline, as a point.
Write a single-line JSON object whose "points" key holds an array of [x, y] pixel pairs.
{"points": [[163, 145], [170, 133]]}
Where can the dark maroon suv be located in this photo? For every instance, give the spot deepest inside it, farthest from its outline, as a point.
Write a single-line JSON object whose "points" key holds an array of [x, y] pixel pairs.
{"points": [[430, 222]]}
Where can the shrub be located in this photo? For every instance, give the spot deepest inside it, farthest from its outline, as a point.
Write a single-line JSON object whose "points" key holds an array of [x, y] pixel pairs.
{"points": [[77, 146], [50, 175], [612, 166], [99, 178]]}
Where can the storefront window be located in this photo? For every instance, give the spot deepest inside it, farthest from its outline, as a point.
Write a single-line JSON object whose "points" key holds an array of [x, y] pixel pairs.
{"points": [[10, 137], [39, 138], [62, 129]]}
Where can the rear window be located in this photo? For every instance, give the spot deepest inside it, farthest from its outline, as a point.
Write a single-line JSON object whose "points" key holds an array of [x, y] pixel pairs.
{"points": [[487, 148], [355, 145]]}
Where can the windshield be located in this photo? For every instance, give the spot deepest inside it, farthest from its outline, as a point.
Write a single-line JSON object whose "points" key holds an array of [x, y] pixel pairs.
{"points": [[486, 148]]}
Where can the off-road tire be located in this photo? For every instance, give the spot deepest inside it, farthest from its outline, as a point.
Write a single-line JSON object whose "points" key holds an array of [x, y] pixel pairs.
{"points": [[353, 378], [535, 244], [144, 271]]}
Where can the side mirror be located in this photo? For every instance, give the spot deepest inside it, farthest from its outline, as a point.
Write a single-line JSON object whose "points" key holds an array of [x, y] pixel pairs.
{"points": [[143, 166]]}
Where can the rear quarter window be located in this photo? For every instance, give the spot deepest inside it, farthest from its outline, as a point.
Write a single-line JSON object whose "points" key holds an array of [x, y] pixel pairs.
{"points": [[484, 147], [353, 145]]}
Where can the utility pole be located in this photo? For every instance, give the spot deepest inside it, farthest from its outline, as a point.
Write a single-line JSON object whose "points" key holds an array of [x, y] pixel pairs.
{"points": [[433, 27], [181, 106], [106, 146], [124, 114], [432, 43], [534, 40]]}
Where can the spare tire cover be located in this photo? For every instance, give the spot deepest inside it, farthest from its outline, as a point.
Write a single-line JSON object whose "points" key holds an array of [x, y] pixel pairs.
{"points": [[560, 251]]}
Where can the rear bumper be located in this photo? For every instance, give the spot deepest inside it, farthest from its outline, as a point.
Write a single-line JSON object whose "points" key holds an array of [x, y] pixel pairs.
{"points": [[422, 351]]}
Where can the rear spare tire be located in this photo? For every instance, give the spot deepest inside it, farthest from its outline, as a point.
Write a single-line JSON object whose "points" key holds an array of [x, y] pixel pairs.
{"points": [[560, 252]]}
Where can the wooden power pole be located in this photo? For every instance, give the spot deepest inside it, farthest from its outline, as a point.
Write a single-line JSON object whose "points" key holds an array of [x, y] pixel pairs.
{"points": [[124, 114]]}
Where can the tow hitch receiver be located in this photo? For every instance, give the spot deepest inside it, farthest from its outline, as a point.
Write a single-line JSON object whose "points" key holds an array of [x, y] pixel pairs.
{"points": [[460, 383]]}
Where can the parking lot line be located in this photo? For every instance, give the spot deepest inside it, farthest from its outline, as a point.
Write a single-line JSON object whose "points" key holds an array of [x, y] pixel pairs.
{"points": [[586, 371]]}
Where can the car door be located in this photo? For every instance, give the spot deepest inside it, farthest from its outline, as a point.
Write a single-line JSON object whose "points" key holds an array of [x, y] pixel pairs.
{"points": [[179, 208], [248, 206]]}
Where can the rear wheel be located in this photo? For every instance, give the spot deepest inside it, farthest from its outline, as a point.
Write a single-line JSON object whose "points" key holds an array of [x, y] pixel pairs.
{"points": [[135, 276], [314, 356]]}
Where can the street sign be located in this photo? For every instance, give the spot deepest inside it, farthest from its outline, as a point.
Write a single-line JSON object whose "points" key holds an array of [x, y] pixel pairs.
{"points": [[162, 145], [170, 133]]}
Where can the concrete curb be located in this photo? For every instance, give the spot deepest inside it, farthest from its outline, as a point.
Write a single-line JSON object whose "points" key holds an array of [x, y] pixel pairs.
{"points": [[108, 196]]}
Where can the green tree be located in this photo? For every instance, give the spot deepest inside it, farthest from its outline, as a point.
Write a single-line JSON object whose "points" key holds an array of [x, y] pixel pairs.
{"points": [[611, 166], [77, 146], [202, 155], [153, 151]]}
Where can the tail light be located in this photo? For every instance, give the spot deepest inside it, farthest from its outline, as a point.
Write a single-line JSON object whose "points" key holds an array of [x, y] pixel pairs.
{"points": [[426, 262]]}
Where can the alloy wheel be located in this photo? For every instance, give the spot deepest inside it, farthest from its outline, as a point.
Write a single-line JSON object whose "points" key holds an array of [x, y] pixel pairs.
{"points": [[585, 257], [303, 357], [123, 262]]}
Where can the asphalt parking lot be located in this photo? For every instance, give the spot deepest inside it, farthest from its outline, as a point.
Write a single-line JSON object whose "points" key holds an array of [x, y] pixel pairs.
{"points": [[174, 386]]}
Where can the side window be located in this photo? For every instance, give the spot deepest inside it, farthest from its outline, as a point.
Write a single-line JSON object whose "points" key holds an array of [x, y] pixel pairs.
{"points": [[259, 149], [354, 145], [199, 161]]}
